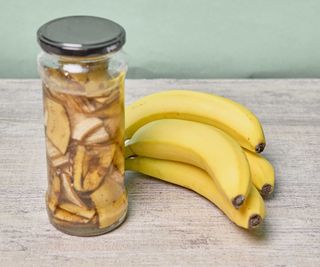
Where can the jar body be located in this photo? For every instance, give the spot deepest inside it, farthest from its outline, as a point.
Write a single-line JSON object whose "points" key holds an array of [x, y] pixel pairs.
{"points": [[83, 103]]}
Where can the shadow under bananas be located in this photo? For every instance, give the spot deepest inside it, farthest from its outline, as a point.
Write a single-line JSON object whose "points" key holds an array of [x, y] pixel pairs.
{"points": [[259, 233], [136, 187]]}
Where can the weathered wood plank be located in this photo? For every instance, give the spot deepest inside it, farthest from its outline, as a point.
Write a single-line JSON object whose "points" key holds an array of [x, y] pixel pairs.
{"points": [[168, 225]]}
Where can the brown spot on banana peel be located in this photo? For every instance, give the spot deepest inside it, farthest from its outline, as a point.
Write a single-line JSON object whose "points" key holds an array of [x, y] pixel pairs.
{"points": [[260, 147], [266, 190], [238, 201], [254, 221], [94, 179], [99, 166]]}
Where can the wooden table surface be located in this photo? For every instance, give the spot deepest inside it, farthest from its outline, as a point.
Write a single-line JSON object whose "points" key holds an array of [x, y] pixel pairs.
{"points": [[168, 225]]}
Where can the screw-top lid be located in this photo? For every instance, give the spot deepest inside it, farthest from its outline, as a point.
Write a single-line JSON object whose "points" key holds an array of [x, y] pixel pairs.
{"points": [[81, 36]]}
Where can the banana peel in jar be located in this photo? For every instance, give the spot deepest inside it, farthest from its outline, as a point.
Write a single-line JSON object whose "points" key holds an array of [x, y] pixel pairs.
{"points": [[71, 101], [80, 211], [67, 169], [83, 126], [111, 108], [45, 117], [82, 73], [101, 100], [82, 104], [77, 103], [118, 160], [57, 78], [99, 84], [60, 161], [68, 192], [78, 72], [94, 177], [67, 216], [91, 78], [89, 172], [85, 165], [53, 193], [65, 90], [112, 125], [78, 167], [89, 106], [106, 155], [110, 201], [111, 213], [117, 176], [52, 151], [111, 97], [99, 136], [58, 126]]}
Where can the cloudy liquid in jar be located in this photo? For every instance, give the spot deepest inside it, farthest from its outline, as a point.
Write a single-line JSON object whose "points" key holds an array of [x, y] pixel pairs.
{"points": [[84, 122]]}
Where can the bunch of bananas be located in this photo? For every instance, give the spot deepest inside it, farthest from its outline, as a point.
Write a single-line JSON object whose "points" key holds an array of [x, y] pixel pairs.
{"points": [[203, 142]]}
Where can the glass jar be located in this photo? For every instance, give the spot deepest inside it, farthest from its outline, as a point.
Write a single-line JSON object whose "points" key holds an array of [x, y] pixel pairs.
{"points": [[83, 73]]}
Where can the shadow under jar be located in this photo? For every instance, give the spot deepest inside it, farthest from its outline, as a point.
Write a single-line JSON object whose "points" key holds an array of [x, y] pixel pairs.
{"points": [[83, 73]]}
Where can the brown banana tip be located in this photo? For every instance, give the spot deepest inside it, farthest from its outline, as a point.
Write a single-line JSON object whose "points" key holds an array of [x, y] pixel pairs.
{"points": [[266, 190], [238, 201], [254, 221], [260, 147]]}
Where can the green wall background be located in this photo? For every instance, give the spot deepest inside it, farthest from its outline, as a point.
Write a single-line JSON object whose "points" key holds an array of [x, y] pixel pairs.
{"points": [[181, 38]]}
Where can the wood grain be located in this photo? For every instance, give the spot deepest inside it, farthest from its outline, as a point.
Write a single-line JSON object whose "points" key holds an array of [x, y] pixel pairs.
{"points": [[168, 225]]}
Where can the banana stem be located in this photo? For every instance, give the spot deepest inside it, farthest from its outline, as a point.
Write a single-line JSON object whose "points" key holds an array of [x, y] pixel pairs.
{"points": [[260, 147], [254, 221], [266, 190], [238, 201]]}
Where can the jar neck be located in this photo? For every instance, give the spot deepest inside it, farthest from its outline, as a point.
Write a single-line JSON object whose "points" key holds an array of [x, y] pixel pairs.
{"points": [[82, 59], [114, 61]]}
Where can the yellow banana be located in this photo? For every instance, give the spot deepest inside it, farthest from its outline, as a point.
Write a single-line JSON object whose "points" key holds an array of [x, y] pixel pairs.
{"points": [[198, 144], [223, 113], [262, 173], [250, 214]]}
